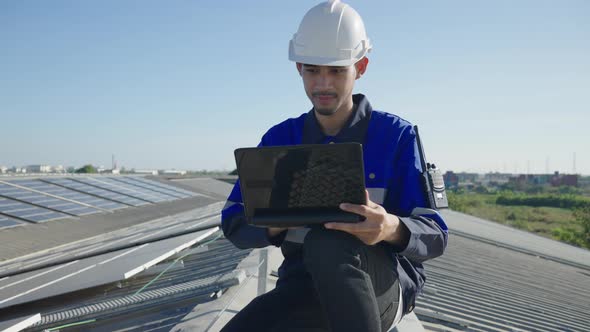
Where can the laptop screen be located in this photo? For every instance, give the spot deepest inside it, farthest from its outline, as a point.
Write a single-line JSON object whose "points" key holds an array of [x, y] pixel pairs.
{"points": [[300, 177]]}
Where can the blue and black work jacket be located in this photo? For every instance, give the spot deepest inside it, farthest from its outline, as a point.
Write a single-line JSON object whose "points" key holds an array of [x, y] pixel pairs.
{"points": [[393, 179]]}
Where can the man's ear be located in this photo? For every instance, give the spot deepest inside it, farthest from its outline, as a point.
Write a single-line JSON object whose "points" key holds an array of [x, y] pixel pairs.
{"points": [[299, 67], [361, 67]]}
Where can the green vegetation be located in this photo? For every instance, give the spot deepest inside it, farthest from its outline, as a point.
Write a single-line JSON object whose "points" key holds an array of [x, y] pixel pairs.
{"points": [[565, 201], [87, 169], [564, 217]]}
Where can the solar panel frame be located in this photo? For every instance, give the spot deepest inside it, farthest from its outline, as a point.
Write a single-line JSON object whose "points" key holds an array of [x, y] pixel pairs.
{"points": [[77, 196], [95, 191], [131, 180], [48, 202], [28, 212]]}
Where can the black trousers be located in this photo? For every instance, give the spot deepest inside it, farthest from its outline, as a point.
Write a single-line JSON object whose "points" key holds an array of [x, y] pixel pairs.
{"points": [[350, 287]]}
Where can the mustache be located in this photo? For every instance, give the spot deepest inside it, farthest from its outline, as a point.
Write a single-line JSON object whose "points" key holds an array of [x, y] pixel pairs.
{"points": [[324, 93]]}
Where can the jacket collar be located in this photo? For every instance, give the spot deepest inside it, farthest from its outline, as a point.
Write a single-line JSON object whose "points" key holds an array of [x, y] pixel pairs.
{"points": [[354, 130]]}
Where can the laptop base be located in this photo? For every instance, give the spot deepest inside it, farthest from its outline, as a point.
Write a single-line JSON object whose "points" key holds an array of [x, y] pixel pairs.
{"points": [[270, 218]]}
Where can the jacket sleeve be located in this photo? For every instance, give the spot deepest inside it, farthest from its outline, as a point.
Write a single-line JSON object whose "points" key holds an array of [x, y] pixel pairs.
{"points": [[406, 199], [235, 226]]}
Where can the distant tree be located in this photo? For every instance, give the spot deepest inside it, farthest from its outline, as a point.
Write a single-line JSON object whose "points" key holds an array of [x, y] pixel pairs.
{"points": [[506, 187], [575, 236], [234, 172], [481, 189], [71, 170], [583, 217], [535, 189], [87, 169], [569, 190]]}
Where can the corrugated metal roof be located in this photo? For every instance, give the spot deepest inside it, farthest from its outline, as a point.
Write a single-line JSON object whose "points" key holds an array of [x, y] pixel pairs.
{"points": [[516, 239], [489, 281]]}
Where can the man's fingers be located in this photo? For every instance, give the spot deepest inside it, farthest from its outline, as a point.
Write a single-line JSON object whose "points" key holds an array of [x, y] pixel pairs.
{"points": [[363, 210], [370, 203]]}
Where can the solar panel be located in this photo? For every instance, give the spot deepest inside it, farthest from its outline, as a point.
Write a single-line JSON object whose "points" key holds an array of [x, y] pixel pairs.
{"points": [[28, 212], [45, 201], [133, 181], [93, 271], [70, 194], [20, 323], [169, 187], [6, 222], [154, 194], [119, 189], [102, 193]]}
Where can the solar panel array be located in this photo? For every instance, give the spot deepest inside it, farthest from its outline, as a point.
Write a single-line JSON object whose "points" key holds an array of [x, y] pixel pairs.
{"points": [[96, 191], [56, 190], [130, 190], [46, 199], [12, 208], [139, 184], [157, 184]]}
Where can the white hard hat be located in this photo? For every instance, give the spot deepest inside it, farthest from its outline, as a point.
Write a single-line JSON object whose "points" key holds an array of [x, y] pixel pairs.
{"points": [[330, 34]]}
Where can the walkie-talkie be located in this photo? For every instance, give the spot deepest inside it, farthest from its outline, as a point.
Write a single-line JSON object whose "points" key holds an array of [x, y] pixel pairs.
{"points": [[432, 180]]}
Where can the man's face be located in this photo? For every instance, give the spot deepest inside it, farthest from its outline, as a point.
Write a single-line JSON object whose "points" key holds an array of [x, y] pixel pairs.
{"points": [[328, 88]]}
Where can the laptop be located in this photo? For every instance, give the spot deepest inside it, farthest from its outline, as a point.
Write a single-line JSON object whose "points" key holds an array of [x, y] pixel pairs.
{"points": [[301, 185]]}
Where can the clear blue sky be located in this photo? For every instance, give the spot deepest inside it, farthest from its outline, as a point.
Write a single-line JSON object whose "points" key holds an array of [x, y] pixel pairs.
{"points": [[494, 85]]}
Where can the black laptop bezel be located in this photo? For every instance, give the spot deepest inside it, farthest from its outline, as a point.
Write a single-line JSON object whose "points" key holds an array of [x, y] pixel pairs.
{"points": [[262, 222]]}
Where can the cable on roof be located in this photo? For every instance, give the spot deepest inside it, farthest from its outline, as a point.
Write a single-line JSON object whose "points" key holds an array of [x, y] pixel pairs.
{"points": [[161, 295], [172, 264]]}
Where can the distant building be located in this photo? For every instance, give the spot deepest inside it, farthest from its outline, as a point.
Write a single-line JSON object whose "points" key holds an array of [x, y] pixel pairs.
{"points": [[492, 179], [555, 180], [564, 180], [104, 170], [451, 180], [520, 181], [496, 178], [146, 171], [18, 170], [58, 169], [3, 169], [468, 177], [38, 169], [173, 172], [540, 179]]}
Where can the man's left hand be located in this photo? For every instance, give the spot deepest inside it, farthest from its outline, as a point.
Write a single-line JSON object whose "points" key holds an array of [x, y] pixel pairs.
{"points": [[378, 225]]}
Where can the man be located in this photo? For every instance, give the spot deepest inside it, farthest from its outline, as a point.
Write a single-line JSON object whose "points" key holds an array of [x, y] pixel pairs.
{"points": [[344, 277]]}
